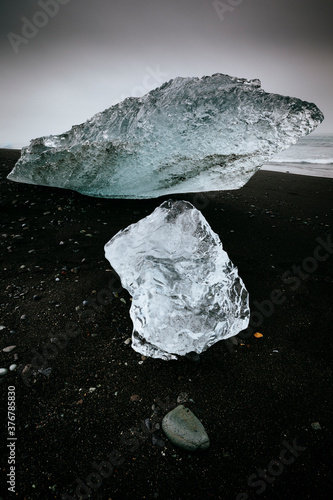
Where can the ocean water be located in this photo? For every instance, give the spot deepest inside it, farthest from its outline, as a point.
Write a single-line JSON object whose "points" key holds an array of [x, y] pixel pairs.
{"points": [[312, 155]]}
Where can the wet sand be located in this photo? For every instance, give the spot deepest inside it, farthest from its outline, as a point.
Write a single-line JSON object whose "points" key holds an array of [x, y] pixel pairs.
{"points": [[255, 396]]}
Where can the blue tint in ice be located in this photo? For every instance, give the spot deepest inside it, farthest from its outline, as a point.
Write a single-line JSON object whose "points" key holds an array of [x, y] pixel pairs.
{"points": [[189, 135]]}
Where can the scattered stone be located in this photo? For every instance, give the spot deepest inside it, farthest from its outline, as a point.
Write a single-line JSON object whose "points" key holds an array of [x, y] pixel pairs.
{"points": [[23, 317], [135, 397], [184, 429], [45, 371], [148, 424], [182, 398], [26, 370], [2, 327], [13, 367], [316, 426], [3, 371], [157, 441], [127, 341], [9, 348], [36, 297], [194, 357]]}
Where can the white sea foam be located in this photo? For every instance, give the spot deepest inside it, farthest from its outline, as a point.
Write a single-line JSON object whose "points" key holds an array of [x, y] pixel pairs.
{"points": [[310, 169], [301, 161], [312, 155]]}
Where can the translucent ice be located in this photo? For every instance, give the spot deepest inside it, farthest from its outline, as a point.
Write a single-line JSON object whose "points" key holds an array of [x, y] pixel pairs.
{"points": [[186, 293], [189, 135]]}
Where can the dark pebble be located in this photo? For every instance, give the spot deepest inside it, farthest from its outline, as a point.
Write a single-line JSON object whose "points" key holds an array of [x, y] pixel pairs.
{"points": [[157, 441], [193, 357], [148, 423]]}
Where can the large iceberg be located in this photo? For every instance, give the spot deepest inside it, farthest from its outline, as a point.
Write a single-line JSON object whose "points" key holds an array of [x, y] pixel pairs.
{"points": [[186, 293], [189, 135]]}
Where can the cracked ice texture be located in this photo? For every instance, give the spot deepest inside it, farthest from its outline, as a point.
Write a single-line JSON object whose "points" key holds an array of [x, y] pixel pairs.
{"points": [[189, 135], [186, 293]]}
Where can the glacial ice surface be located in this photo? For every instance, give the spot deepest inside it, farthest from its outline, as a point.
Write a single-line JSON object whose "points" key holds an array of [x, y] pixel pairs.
{"points": [[186, 293], [189, 135]]}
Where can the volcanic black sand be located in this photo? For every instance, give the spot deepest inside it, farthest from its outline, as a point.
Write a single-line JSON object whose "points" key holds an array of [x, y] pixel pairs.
{"points": [[265, 402]]}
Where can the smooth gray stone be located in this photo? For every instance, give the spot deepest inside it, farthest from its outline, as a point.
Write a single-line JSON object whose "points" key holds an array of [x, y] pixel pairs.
{"points": [[185, 430], [9, 348]]}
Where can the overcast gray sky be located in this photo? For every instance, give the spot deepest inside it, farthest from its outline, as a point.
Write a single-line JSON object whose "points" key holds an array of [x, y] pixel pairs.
{"points": [[65, 62]]}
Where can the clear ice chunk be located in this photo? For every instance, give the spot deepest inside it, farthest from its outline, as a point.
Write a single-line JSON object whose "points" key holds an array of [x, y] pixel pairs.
{"points": [[186, 293], [189, 135]]}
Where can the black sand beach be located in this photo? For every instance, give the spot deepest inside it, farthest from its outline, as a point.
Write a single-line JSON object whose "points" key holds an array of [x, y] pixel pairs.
{"points": [[265, 402]]}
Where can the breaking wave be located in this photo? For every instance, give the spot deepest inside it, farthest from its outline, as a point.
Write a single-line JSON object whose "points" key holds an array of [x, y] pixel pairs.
{"points": [[312, 161]]}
